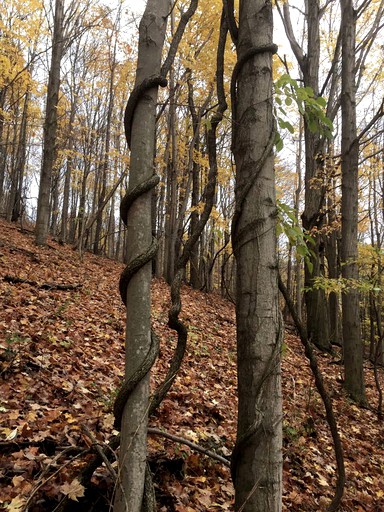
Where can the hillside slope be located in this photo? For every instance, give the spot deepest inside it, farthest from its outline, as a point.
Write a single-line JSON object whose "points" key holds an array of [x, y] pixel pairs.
{"points": [[62, 359]]}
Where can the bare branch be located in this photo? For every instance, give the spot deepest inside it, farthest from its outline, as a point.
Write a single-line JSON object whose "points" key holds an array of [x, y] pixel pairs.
{"points": [[194, 446], [285, 16]]}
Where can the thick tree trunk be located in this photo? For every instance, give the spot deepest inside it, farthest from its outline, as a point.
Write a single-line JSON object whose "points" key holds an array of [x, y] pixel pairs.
{"points": [[257, 457], [352, 343], [50, 127], [133, 447]]}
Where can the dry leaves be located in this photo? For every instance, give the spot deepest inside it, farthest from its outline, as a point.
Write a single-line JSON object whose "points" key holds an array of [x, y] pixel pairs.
{"points": [[62, 359]]}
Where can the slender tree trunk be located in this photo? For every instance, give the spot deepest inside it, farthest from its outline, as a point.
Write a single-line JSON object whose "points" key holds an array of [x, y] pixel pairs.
{"points": [[316, 302], [16, 206], [3, 152], [101, 199], [333, 267], [81, 211], [13, 170], [195, 147], [50, 127], [171, 200], [257, 457], [133, 446], [298, 265], [352, 343], [378, 300], [312, 219], [160, 230], [68, 173]]}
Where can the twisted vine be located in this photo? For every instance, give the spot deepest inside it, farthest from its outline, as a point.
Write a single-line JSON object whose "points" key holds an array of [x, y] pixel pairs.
{"points": [[133, 267], [140, 261], [243, 193], [137, 93], [257, 429], [208, 195]]}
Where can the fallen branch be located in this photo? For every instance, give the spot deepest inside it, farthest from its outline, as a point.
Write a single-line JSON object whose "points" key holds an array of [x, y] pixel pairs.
{"points": [[108, 452], [43, 286], [194, 446]]}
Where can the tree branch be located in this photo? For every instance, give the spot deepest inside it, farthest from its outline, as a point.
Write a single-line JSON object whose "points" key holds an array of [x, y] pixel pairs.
{"points": [[194, 446]]}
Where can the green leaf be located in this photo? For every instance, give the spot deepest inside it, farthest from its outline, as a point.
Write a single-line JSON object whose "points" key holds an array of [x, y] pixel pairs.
{"points": [[321, 101], [309, 265], [302, 250]]}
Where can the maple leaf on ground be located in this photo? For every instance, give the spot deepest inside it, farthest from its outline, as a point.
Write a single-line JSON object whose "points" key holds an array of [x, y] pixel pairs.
{"points": [[73, 490], [16, 505]]}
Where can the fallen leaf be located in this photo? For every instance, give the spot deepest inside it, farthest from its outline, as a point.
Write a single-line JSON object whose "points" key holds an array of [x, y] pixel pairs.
{"points": [[16, 505], [73, 490], [11, 435]]}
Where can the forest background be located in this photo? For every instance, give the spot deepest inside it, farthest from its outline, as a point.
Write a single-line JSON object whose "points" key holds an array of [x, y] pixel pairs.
{"points": [[65, 82]]}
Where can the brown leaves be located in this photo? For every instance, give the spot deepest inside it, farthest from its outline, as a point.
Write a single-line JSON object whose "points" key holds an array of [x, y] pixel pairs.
{"points": [[62, 359], [73, 490]]}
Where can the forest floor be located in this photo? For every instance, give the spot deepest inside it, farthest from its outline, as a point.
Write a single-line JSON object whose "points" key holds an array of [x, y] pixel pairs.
{"points": [[62, 359]]}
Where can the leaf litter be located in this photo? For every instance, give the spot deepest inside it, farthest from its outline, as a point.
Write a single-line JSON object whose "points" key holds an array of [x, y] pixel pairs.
{"points": [[62, 360]]}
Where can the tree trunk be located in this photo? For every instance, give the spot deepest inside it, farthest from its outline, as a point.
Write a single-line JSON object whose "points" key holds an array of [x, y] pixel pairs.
{"points": [[3, 153], [50, 127], [133, 447], [16, 199], [332, 254], [171, 199], [101, 199], [68, 172], [315, 300], [298, 259], [352, 343], [257, 457]]}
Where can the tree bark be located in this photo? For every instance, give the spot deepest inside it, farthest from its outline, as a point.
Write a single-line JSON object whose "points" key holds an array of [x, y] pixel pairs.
{"points": [[352, 343], [50, 127], [257, 457], [133, 450], [172, 196], [315, 300]]}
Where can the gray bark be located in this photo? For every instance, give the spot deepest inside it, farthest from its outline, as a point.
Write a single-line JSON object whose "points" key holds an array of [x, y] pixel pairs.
{"points": [[315, 300], [257, 457], [172, 195], [133, 448], [352, 343], [50, 127], [68, 173]]}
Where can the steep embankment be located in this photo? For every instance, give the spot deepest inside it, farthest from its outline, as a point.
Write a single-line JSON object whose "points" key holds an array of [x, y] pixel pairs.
{"points": [[62, 358]]}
